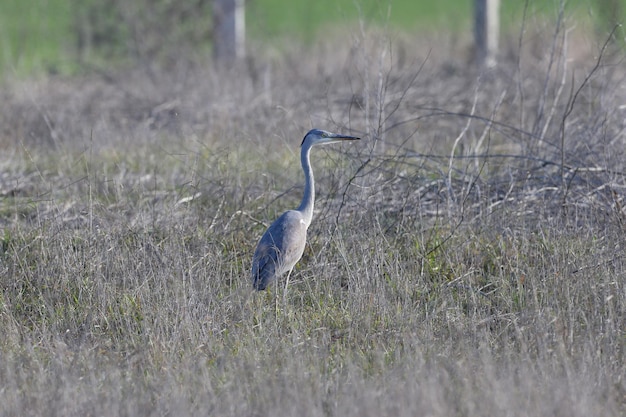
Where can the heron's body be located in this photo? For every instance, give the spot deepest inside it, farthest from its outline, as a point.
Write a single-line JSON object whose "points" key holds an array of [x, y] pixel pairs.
{"points": [[279, 249], [282, 245]]}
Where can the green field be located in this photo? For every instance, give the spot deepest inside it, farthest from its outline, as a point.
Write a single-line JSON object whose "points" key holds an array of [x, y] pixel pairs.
{"points": [[35, 35], [272, 17], [43, 35]]}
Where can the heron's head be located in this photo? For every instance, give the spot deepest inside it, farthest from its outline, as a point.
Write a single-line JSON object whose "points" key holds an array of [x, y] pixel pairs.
{"points": [[319, 137]]}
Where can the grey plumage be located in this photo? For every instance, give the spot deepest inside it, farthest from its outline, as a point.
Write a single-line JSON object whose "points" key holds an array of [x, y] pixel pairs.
{"points": [[282, 245]]}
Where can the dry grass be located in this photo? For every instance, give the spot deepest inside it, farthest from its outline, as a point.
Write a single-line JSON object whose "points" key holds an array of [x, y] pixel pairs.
{"points": [[466, 259]]}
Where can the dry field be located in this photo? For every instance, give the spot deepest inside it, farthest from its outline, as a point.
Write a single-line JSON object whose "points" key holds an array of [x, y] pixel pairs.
{"points": [[466, 258]]}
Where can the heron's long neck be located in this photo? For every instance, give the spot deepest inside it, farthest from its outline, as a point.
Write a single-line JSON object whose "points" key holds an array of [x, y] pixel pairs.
{"points": [[306, 207]]}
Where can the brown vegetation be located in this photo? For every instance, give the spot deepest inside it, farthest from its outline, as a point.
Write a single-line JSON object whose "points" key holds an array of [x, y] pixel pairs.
{"points": [[466, 259]]}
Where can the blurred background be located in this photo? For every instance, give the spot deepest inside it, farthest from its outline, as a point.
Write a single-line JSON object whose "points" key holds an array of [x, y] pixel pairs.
{"points": [[70, 36]]}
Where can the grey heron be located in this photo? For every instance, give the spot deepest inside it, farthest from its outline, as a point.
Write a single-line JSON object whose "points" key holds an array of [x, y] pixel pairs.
{"points": [[282, 244]]}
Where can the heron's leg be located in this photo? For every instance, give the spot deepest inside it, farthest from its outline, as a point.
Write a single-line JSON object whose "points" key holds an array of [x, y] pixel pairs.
{"points": [[286, 285], [276, 308]]}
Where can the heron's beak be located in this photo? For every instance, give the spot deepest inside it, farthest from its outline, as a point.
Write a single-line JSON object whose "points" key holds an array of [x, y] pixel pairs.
{"points": [[344, 137]]}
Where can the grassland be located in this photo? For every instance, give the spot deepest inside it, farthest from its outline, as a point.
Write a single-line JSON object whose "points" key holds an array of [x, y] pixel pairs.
{"points": [[466, 258]]}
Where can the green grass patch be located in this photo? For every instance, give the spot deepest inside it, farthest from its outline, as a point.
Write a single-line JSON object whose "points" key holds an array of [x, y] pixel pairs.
{"points": [[36, 36]]}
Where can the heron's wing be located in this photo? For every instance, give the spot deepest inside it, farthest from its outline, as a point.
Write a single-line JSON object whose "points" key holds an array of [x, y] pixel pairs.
{"points": [[279, 249], [264, 265]]}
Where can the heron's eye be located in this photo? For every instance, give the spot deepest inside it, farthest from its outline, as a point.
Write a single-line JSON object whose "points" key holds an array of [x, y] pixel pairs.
{"points": [[324, 135]]}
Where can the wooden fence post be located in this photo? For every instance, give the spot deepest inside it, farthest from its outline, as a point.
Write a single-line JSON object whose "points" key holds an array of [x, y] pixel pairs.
{"points": [[229, 30], [486, 31]]}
